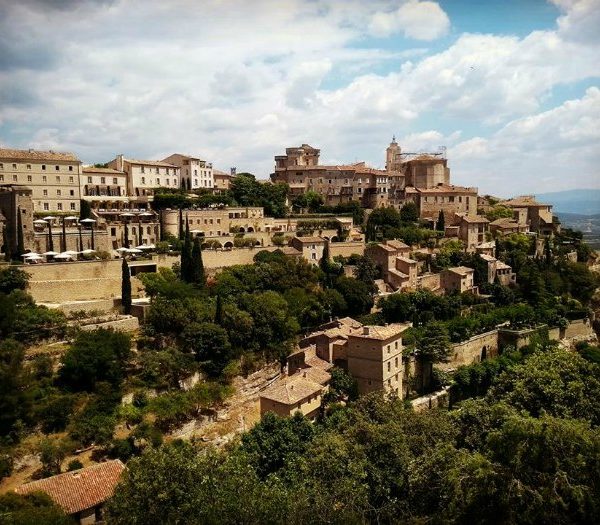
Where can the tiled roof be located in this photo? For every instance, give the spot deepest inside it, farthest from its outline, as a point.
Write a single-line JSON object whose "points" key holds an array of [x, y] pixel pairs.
{"points": [[308, 240], [406, 260], [30, 154], [475, 219], [292, 389], [447, 189], [523, 200], [505, 221], [158, 163], [399, 245], [291, 251], [317, 363], [80, 489], [102, 171], [487, 258], [380, 332], [461, 270], [348, 321]]}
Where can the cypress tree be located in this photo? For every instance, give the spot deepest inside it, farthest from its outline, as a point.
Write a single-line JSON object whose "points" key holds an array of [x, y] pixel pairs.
{"points": [[126, 239], [63, 239], [80, 238], [441, 222], [20, 241], [547, 252], [186, 254], [181, 234], [324, 262], [140, 232], [219, 310], [125, 287], [197, 265], [50, 237]]}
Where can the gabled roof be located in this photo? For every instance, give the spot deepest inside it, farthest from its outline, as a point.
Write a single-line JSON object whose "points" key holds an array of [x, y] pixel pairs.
{"points": [[158, 163], [80, 489], [30, 154], [399, 245], [292, 389], [380, 332], [475, 219], [447, 188], [461, 270], [522, 201], [309, 240]]}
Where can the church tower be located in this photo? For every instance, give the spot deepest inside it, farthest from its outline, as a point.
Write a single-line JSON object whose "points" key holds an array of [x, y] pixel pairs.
{"points": [[392, 156]]}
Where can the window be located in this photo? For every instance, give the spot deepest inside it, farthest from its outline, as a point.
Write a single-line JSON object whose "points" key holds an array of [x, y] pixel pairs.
{"points": [[396, 363], [396, 345], [168, 182], [72, 193], [102, 180], [43, 167], [115, 180], [143, 180], [44, 178], [157, 171], [46, 206], [70, 179], [195, 173], [14, 178], [158, 182], [143, 171], [70, 168], [195, 182], [58, 192], [1, 166], [389, 366], [28, 166], [45, 193], [314, 256], [59, 206], [72, 206], [174, 182], [1, 178], [58, 178], [113, 231], [57, 168], [14, 166]]}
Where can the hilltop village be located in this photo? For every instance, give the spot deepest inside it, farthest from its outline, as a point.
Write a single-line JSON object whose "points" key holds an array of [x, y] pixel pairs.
{"points": [[299, 332]]}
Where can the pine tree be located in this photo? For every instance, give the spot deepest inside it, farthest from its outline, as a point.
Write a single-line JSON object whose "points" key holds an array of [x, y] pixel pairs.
{"points": [[441, 222], [63, 239], [20, 241], [196, 265], [125, 287]]}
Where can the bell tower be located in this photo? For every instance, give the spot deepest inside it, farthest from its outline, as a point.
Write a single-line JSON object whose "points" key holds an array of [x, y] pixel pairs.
{"points": [[392, 156]]}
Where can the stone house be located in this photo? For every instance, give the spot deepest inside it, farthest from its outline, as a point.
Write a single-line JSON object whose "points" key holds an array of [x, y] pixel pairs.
{"points": [[312, 248], [535, 215], [145, 175], [398, 270], [80, 493], [498, 270], [506, 226], [195, 172], [458, 279], [471, 230]]}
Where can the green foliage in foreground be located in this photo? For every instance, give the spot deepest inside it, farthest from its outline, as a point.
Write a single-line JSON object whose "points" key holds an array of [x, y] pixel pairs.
{"points": [[529, 452], [33, 509]]}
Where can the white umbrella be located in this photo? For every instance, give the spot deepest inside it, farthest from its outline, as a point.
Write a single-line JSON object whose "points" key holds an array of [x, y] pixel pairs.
{"points": [[127, 215], [146, 214], [49, 218], [71, 218], [144, 247], [29, 254], [40, 221], [88, 251], [87, 220], [62, 256], [151, 246], [33, 257], [123, 249], [134, 250], [50, 253], [70, 252]]}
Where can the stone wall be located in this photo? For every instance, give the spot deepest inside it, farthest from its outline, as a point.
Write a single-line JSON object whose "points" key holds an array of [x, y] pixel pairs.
{"points": [[347, 248], [127, 323], [578, 328], [474, 350], [438, 399]]}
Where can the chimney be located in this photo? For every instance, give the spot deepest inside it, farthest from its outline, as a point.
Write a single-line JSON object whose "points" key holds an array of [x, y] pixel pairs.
{"points": [[366, 330], [120, 162]]}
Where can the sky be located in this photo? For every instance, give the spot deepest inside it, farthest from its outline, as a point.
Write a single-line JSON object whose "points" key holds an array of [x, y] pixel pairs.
{"points": [[510, 87]]}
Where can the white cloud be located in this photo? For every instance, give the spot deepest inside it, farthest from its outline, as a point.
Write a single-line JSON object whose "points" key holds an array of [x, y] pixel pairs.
{"points": [[420, 20]]}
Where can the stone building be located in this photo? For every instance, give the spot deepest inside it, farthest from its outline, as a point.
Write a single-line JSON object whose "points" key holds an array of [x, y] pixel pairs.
{"points": [[145, 175], [53, 178], [397, 270], [311, 248], [221, 181], [96, 183], [458, 279], [498, 270], [472, 230], [195, 172], [80, 493], [535, 215], [337, 184], [506, 226], [449, 199], [17, 200]]}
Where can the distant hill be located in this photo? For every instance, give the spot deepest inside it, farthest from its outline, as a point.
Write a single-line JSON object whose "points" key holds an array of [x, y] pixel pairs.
{"points": [[580, 202]]}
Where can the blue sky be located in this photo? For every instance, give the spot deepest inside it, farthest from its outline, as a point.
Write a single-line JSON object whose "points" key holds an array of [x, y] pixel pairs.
{"points": [[510, 87]]}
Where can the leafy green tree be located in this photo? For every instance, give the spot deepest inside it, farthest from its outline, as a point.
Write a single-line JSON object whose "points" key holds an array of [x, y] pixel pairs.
{"points": [[13, 400], [342, 386], [380, 222], [210, 343], [13, 278], [165, 368], [52, 454], [409, 213], [125, 287], [366, 271], [186, 255], [356, 294], [94, 357], [32, 509]]}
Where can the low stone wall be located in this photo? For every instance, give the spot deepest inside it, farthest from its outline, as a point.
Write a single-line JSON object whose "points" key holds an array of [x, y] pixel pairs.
{"points": [[346, 249], [579, 328], [440, 399], [123, 324], [102, 305]]}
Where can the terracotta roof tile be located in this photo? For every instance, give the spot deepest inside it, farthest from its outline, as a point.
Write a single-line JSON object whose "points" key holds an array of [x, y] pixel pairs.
{"points": [[24, 154], [292, 389], [80, 489]]}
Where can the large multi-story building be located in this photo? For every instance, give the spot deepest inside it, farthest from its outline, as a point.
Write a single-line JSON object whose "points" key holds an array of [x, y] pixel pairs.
{"points": [[99, 184], [52, 176], [143, 176], [195, 173], [337, 184], [533, 214]]}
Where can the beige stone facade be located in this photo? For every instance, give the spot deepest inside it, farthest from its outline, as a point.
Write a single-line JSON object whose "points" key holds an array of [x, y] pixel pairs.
{"points": [[14, 201], [221, 181], [99, 184], [195, 172], [311, 248], [397, 269], [145, 175], [53, 178], [458, 279], [472, 230], [499, 271], [535, 215]]}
